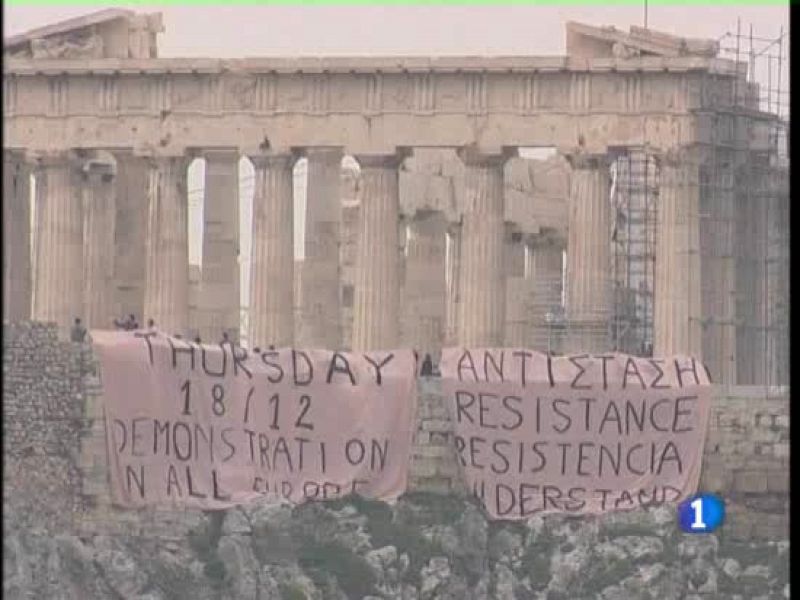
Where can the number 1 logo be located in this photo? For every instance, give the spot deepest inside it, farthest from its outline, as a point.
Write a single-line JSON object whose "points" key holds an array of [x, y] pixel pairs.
{"points": [[702, 513]]}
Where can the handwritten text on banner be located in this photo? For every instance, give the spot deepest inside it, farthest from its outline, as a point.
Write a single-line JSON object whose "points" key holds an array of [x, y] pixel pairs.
{"points": [[581, 434], [214, 426]]}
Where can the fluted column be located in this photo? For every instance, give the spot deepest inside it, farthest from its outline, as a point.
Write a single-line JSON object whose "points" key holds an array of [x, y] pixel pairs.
{"points": [[545, 269], [166, 298], [219, 276], [777, 266], [453, 270], [589, 300], [130, 234], [98, 246], [677, 271], [272, 255], [376, 316], [718, 271], [16, 238], [751, 248], [425, 291], [519, 292], [319, 323], [482, 296], [58, 285]]}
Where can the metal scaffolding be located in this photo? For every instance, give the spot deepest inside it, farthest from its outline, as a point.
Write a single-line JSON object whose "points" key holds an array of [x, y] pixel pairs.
{"points": [[634, 193], [741, 218]]}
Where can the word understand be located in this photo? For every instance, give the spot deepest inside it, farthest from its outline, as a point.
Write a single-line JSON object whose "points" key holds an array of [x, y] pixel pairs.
{"points": [[581, 434]]}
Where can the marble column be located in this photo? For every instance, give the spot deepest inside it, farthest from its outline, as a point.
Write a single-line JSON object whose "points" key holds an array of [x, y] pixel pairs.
{"points": [[98, 247], [589, 301], [519, 293], [718, 270], [166, 298], [219, 276], [453, 269], [319, 324], [130, 234], [777, 267], [16, 238], [677, 316], [425, 290], [751, 238], [272, 255], [545, 269], [58, 272], [376, 317], [482, 290]]}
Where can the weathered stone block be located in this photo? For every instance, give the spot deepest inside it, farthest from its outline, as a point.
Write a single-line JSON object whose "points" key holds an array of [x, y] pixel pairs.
{"points": [[778, 481], [750, 481]]}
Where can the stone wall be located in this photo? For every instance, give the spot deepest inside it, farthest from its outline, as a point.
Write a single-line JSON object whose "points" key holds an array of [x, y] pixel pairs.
{"points": [[63, 539], [54, 439], [43, 404]]}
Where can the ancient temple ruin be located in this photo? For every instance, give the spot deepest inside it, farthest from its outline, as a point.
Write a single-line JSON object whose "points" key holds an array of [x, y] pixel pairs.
{"points": [[657, 224]]}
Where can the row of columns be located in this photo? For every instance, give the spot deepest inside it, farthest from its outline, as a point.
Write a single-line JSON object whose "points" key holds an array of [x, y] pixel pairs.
{"points": [[74, 275], [83, 215]]}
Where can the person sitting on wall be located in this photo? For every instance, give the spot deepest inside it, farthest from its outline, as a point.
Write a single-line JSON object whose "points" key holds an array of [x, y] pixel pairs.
{"points": [[427, 366], [151, 325], [78, 333], [131, 324], [197, 340], [121, 324], [272, 347]]}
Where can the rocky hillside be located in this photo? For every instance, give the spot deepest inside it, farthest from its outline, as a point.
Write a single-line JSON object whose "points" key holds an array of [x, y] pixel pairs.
{"points": [[423, 548]]}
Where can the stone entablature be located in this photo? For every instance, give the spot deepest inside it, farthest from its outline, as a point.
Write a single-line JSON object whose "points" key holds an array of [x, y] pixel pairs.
{"points": [[368, 105]]}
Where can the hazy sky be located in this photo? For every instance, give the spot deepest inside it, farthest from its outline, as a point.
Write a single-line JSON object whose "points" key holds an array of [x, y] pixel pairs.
{"points": [[237, 31], [232, 31]]}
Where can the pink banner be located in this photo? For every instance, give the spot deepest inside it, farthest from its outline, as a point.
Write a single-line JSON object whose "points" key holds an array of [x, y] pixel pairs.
{"points": [[211, 427], [579, 434]]}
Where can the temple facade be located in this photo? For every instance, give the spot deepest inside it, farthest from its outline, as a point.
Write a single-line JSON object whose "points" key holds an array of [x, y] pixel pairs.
{"points": [[443, 235]]}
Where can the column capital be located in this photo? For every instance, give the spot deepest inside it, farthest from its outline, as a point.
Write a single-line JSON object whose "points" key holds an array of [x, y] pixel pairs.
{"points": [[475, 156], [155, 160], [383, 161], [15, 155], [275, 161], [155, 152], [51, 158], [330, 152], [584, 160], [218, 153]]}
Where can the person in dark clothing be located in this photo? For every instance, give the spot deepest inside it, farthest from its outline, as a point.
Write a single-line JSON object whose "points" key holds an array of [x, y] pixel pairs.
{"points": [[256, 350], [197, 340], [78, 333], [135, 326], [119, 325], [271, 347], [225, 339], [427, 366], [151, 325], [177, 336]]}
